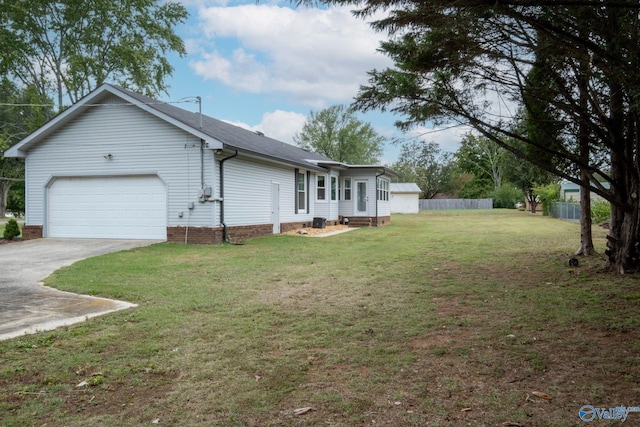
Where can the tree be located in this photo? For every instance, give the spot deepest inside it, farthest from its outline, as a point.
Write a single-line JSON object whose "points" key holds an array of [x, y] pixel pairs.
{"points": [[427, 165], [24, 112], [335, 132], [468, 62], [482, 156], [66, 48]]}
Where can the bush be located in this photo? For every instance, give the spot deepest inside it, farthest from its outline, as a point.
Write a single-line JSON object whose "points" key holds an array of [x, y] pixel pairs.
{"points": [[547, 194], [506, 196], [11, 230], [600, 211]]}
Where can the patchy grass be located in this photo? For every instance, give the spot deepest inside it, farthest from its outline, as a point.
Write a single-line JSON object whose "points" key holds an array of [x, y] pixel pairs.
{"points": [[443, 318]]}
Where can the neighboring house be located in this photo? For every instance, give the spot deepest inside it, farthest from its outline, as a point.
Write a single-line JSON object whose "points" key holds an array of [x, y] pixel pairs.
{"points": [[121, 165], [570, 191], [405, 198]]}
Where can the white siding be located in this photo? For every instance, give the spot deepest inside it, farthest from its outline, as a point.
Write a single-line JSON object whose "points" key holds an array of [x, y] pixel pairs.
{"points": [[348, 207], [247, 192], [326, 208], [140, 144], [384, 206], [406, 203]]}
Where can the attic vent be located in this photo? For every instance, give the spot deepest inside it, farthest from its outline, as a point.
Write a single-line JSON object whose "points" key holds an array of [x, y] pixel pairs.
{"points": [[260, 133]]}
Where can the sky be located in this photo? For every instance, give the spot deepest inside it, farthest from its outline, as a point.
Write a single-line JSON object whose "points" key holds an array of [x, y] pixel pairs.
{"points": [[266, 65]]}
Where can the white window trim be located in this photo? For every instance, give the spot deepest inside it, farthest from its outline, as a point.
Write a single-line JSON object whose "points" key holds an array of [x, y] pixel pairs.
{"points": [[325, 199], [334, 188], [344, 188], [302, 174]]}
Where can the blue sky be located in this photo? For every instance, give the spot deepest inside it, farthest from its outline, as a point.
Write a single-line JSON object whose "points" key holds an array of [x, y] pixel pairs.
{"points": [[265, 65]]}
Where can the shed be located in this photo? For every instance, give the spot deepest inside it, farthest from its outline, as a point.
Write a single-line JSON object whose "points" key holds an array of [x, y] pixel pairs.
{"points": [[405, 197]]}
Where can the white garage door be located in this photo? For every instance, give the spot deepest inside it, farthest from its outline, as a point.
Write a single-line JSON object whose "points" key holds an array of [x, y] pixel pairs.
{"points": [[108, 208]]}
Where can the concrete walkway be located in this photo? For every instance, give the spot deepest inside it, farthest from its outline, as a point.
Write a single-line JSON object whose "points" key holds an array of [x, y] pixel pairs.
{"points": [[27, 306]]}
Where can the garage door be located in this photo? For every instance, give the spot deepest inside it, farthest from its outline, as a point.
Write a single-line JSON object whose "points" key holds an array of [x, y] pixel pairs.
{"points": [[113, 208]]}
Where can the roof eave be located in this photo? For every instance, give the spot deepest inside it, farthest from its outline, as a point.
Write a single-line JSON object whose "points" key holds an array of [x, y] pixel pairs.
{"points": [[273, 159]]}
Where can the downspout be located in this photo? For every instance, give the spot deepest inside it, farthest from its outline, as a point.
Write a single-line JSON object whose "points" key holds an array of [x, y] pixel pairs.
{"points": [[202, 163], [376, 183], [225, 235]]}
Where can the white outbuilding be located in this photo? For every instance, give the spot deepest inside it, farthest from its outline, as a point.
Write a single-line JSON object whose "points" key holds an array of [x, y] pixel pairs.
{"points": [[405, 198]]}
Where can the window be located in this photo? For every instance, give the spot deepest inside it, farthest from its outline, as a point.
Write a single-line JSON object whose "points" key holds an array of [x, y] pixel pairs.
{"points": [[383, 189], [321, 187], [301, 192], [334, 188], [347, 188]]}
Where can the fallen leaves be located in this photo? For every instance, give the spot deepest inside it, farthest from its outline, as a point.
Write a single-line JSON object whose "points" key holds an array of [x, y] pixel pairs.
{"points": [[541, 395], [301, 411]]}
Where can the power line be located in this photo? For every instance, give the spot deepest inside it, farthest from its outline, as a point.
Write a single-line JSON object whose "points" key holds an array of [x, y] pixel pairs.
{"points": [[8, 104]]}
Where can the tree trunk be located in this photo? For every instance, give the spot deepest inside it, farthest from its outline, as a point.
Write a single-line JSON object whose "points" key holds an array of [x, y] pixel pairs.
{"points": [[533, 202], [623, 241], [5, 186], [586, 237]]}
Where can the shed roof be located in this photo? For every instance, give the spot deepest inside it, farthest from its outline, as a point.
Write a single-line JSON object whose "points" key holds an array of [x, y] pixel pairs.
{"points": [[404, 187]]}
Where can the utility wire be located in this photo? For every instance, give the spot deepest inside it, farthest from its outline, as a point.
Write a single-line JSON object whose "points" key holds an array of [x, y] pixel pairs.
{"points": [[8, 104]]}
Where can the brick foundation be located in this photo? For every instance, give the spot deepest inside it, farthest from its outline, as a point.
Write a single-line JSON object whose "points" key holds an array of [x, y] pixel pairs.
{"points": [[215, 235], [241, 233], [30, 232], [195, 235]]}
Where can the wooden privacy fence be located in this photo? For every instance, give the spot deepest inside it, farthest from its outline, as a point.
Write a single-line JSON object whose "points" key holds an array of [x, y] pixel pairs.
{"points": [[565, 210], [442, 204]]}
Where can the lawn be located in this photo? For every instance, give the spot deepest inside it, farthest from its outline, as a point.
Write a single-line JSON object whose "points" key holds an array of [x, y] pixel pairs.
{"points": [[438, 319]]}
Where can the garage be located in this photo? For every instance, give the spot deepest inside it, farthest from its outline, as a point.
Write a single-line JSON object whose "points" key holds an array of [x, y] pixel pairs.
{"points": [[123, 207]]}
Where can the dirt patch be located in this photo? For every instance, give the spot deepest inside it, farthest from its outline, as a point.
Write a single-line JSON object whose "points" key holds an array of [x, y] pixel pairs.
{"points": [[311, 232], [5, 241]]}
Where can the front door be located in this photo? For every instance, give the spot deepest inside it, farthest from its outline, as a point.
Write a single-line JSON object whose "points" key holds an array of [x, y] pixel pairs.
{"points": [[361, 198], [275, 207]]}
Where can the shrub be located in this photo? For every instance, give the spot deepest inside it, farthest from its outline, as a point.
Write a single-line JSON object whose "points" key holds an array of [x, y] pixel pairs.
{"points": [[600, 211], [11, 230], [547, 194], [506, 196]]}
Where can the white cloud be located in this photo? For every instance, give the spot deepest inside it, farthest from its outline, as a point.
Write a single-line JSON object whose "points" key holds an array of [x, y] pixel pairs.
{"points": [[280, 125], [316, 56]]}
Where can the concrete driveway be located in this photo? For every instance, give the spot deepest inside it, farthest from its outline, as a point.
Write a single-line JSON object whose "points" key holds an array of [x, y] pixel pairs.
{"points": [[27, 306]]}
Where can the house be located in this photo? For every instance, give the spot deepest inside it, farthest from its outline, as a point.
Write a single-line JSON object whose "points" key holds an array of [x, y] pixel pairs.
{"points": [[121, 165], [570, 191], [405, 197]]}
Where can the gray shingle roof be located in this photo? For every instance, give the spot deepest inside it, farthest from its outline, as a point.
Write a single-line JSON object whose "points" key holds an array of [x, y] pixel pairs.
{"points": [[234, 137]]}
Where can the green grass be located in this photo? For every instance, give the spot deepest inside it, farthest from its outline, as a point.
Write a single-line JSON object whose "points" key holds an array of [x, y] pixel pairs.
{"points": [[403, 325]]}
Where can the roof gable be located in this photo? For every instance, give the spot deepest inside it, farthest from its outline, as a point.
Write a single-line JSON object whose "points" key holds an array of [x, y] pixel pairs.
{"points": [[216, 133]]}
